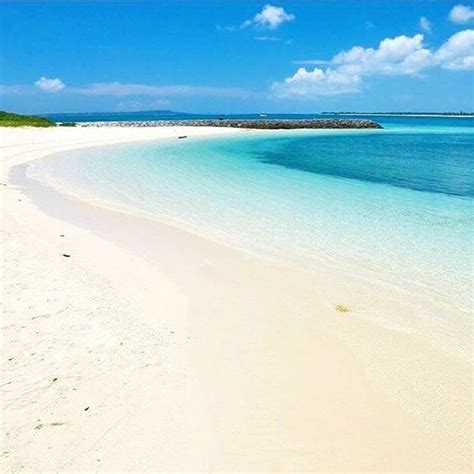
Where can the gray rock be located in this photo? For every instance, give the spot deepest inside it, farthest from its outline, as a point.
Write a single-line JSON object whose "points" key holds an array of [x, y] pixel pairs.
{"points": [[262, 124]]}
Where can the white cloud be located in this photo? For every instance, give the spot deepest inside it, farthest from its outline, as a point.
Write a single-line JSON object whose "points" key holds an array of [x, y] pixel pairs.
{"points": [[458, 52], [119, 89], [50, 85], [395, 56], [272, 17], [461, 14], [403, 55], [425, 24], [317, 82]]}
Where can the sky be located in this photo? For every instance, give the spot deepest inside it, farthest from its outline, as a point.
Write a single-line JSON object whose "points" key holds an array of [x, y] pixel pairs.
{"points": [[226, 56]]}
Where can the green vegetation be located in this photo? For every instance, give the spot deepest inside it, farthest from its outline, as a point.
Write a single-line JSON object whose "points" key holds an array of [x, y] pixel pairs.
{"points": [[8, 119]]}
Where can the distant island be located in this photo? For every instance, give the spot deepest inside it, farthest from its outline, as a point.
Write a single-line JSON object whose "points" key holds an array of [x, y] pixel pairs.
{"points": [[404, 114]]}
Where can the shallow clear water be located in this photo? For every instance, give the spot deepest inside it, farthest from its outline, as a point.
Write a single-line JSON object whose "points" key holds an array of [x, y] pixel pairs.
{"points": [[396, 203]]}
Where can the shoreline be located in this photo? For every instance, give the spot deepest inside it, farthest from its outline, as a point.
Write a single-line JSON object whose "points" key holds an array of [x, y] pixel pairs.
{"points": [[48, 195], [66, 207], [388, 283], [253, 342]]}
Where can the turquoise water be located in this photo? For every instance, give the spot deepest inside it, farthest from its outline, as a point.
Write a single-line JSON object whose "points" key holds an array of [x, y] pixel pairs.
{"points": [[395, 203]]}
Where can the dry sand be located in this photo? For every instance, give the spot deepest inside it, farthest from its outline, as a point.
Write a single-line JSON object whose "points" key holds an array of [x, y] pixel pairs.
{"points": [[151, 349]]}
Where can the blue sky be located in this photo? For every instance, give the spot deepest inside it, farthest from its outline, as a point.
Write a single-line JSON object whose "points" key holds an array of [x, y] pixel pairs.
{"points": [[237, 56]]}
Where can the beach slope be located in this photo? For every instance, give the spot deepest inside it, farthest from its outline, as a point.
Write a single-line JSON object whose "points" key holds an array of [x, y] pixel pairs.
{"points": [[128, 345]]}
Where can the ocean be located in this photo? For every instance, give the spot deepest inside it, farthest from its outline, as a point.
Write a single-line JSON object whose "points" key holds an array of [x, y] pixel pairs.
{"points": [[394, 205]]}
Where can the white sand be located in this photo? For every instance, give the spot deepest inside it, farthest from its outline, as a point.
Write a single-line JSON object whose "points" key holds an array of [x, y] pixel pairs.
{"points": [[151, 349]]}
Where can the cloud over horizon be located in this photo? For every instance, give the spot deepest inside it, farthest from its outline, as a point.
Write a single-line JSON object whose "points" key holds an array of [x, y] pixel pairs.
{"points": [[119, 89], [402, 55], [317, 82], [458, 52]]}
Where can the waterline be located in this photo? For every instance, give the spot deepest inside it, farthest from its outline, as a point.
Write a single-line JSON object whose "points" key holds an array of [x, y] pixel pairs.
{"points": [[394, 209]]}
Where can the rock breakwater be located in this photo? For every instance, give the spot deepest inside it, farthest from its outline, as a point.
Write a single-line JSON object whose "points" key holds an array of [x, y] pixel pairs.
{"points": [[266, 124]]}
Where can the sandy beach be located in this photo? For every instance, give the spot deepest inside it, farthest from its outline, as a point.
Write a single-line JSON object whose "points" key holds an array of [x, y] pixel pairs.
{"points": [[130, 345]]}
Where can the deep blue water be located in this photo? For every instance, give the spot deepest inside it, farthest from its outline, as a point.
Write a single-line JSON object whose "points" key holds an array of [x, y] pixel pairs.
{"points": [[399, 159]]}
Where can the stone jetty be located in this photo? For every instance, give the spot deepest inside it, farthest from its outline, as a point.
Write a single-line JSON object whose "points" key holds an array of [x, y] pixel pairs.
{"points": [[262, 124]]}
